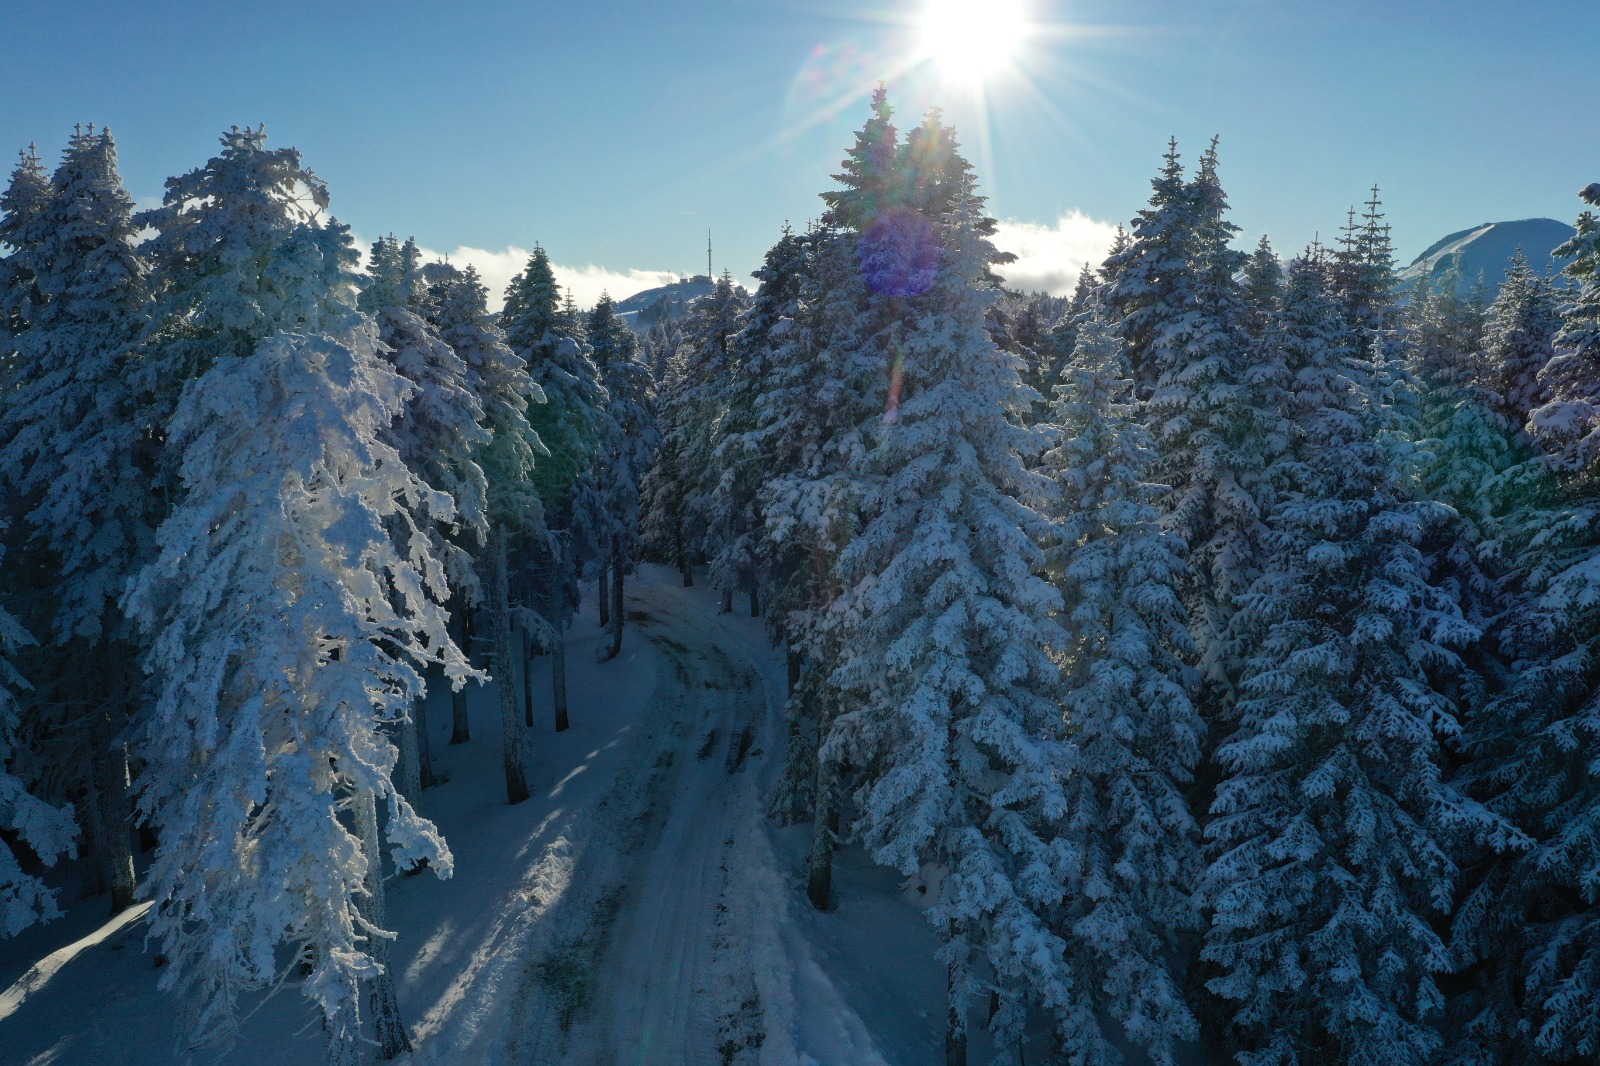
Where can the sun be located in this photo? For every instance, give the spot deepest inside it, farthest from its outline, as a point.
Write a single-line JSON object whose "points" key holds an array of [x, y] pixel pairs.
{"points": [[971, 41]]}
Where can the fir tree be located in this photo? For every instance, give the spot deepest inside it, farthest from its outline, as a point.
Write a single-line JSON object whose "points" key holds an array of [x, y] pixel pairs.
{"points": [[627, 450], [290, 610], [1133, 735], [943, 625], [1331, 824]]}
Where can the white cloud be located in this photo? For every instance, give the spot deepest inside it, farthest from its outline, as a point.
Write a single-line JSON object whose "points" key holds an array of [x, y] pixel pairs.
{"points": [[1049, 258], [586, 283]]}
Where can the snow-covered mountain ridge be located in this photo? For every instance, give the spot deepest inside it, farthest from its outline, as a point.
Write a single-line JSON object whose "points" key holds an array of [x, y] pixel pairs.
{"points": [[1487, 249]]}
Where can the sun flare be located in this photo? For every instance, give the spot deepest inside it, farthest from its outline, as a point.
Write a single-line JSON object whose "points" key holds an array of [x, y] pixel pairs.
{"points": [[972, 40]]}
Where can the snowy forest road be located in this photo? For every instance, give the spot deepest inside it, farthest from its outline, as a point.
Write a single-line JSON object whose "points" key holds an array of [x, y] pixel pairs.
{"points": [[654, 962]]}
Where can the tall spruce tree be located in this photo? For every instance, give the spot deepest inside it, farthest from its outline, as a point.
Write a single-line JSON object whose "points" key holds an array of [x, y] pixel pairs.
{"points": [[1528, 935], [1331, 825], [1133, 736], [627, 450], [943, 625]]}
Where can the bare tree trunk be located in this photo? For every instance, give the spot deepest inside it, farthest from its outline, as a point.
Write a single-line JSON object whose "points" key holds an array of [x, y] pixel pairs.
{"points": [[755, 599], [390, 1029], [684, 567], [407, 768], [506, 672], [604, 596], [824, 825], [795, 662], [617, 611], [558, 679], [419, 711], [955, 1032], [109, 763], [460, 732], [727, 601], [527, 680]]}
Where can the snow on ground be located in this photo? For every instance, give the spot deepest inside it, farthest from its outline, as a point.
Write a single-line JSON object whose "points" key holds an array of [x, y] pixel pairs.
{"points": [[638, 909]]}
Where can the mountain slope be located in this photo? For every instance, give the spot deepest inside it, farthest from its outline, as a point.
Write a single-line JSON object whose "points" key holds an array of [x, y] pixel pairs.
{"points": [[1487, 249]]}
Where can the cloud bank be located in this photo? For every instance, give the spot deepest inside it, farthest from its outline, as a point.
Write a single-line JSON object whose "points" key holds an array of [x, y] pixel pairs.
{"points": [[586, 283], [1049, 258]]}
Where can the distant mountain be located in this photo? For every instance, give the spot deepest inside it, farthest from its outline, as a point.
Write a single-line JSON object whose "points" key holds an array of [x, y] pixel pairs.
{"points": [[644, 309], [1487, 249]]}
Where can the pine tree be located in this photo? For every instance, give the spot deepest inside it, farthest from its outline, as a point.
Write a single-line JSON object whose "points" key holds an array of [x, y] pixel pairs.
{"points": [[1519, 341], [74, 452], [1528, 934], [1330, 827], [570, 423], [47, 830], [943, 627], [741, 463], [627, 449], [21, 206], [1133, 734], [290, 610], [678, 489]]}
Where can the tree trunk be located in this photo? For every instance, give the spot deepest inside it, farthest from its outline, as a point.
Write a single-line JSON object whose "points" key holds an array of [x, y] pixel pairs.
{"points": [[684, 568], [824, 822], [390, 1029], [727, 601], [558, 679], [955, 1032], [795, 662], [618, 613], [407, 768], [419, 710], [527, 680], [506, 672], [755, 599], [114, 813], [604, 596], [459, 731]]}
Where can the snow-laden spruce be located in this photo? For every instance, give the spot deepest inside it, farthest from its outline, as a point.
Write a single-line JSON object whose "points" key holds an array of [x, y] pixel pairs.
{"points": [[1331, 824], [947, 725], [47, 830], [1133, 736], [1173, 295], [627, 450], [80, 462], [1529, 932], [291, 611]]}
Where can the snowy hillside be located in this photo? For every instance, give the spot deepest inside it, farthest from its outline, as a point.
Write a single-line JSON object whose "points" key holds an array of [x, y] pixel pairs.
{"points": [[1487, 249], [643, 309]]}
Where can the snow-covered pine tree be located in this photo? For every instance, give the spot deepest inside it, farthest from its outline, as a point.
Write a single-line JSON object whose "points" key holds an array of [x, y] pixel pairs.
{"points": [[570, 423], [1519, 340], [627, 449], [73, 450], [1529, 933], [677, 490], [440, 436], [291, 609], [830, 382], [1330, 826], [47, 830], [1133, 736], [21, 205], [1463, 445], [1207, 401], [947, 720], [499, 379], [742, 467]]}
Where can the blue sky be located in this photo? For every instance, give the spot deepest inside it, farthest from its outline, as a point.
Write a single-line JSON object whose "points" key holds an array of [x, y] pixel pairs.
{"points": [[617, 132]]}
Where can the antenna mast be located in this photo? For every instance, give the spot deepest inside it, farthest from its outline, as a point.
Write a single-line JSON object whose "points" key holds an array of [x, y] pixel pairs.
{"points": [[708, 253]]}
